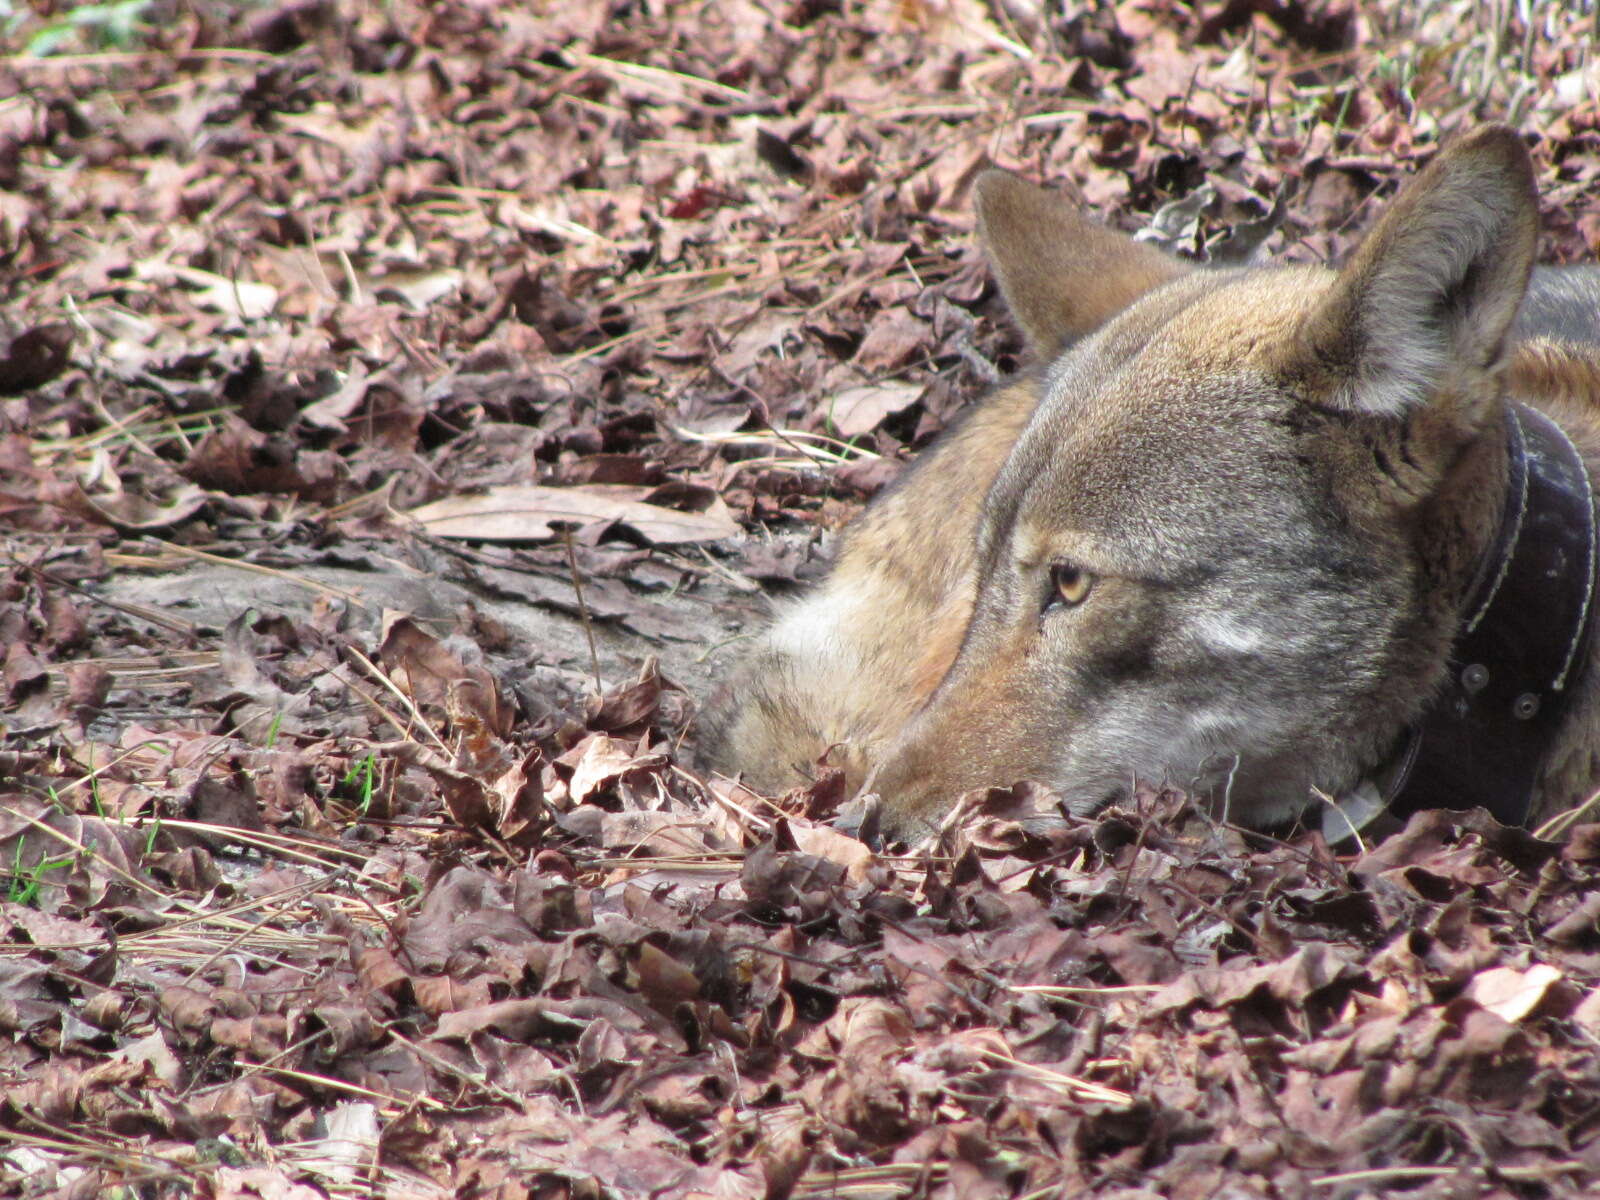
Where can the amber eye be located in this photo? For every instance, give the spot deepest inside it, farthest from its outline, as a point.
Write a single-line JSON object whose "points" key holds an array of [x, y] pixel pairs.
{"points": [[1069, 585]]}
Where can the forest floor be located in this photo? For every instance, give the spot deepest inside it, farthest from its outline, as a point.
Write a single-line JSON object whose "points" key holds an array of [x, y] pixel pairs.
{"points": [[405, 408]]}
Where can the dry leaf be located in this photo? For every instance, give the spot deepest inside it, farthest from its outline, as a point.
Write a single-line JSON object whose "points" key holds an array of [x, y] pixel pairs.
{"points": [[1511, 994], [527, 514], [859, 410]]}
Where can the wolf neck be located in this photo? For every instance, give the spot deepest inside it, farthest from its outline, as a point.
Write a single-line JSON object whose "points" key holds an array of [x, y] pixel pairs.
{"points": [[1519, 659]]}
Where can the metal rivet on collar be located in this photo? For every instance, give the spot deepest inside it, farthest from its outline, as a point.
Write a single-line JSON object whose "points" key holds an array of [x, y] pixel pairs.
{"points": [[1525, 706], [1475, 677]]}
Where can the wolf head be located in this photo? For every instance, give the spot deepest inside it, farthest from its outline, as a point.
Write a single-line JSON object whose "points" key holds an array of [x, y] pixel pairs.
{"points": [[1228, 549]]}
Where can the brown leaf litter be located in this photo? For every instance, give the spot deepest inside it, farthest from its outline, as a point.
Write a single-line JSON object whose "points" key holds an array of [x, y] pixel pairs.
{"points": [[373, 378]]}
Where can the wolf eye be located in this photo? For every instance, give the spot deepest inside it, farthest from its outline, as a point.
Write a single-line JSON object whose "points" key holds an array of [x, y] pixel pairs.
{"points": [[1069, 585]]}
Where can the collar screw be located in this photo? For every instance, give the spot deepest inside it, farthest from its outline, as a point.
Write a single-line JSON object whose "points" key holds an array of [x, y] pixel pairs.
{"points": [[1475, 677], [1525, 706]]}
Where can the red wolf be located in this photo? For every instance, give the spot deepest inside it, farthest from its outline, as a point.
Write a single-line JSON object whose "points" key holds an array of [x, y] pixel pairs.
{"points": [[1283, 537]]}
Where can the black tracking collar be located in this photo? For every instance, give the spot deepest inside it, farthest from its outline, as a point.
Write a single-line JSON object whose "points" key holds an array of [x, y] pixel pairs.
{"points": [[1519, 659]]}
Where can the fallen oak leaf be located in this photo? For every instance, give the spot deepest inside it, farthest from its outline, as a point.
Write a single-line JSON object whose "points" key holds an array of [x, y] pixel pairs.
{"points": [[352, 1139], [893, 339], [417, 289], [823, 841], [663, 981], [435, 676], [472, 802], [440, 994], [629, 710], [239, 460], [653, 833], [237, 298], [24, 675], [602, 761], [1511, 994], [246, 1183], [859, 410], [521, 799], [1314, 968], [133, 511], [518, 1020], [531, 513], [332, 411]]}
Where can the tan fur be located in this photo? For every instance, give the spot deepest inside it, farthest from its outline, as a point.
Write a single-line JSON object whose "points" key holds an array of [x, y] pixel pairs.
{"points": [[1280, 482]]}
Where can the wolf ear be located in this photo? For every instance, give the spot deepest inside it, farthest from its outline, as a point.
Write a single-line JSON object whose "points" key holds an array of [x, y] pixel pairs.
{"points": [[1435, 287], [1062, 275]]}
